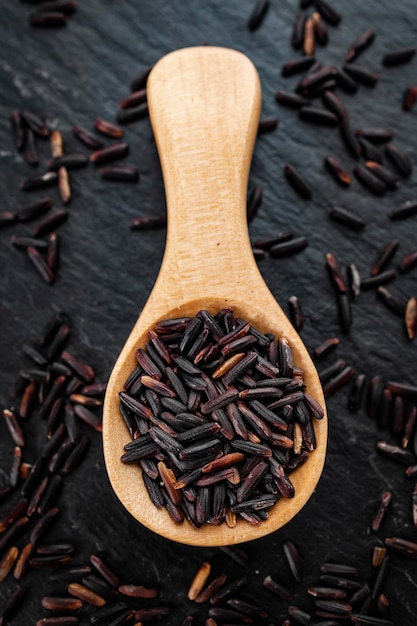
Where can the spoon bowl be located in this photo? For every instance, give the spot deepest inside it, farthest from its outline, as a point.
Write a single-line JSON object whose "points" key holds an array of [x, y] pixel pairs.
{"points": [[204, 106]]}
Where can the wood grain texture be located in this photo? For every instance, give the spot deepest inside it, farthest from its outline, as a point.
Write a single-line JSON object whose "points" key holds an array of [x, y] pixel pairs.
{"points": [[204, 105]]}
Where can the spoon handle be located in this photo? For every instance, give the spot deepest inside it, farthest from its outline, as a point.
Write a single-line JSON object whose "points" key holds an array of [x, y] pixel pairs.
{"points": [[204, 106]]}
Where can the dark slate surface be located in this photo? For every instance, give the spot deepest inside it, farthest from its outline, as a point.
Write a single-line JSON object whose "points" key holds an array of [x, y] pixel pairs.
{"points": [[73, 74]]}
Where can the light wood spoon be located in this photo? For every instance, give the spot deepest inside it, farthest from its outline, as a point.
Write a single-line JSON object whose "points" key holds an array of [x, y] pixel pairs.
{"points": [[204, 106]]}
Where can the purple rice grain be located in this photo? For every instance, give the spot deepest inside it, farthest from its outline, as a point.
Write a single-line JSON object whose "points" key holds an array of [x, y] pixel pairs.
{"points": [[18, 130], [134, 99], [320, 30], [410, 317], [350, 140], [254, 202], [326, 347], [315, 79], [48, 19], [402, 545], [409, 426], [398, 57], [360, 44], [258, 14], [395, 453], [148, 223], [381, 511], [318, 115], [328, 13], [109, 153], [299, 64], [408, 262], [24, 242], [27, 400], [35, 123], [39, 181], [123, 173], [51, 494], [298, 183], [53, 251], [127, 116], [99, 586], [338, 381], [408, 209], [293, 558], [411, 471], [354, 280], [366, 620], [12, 532], [409, 97], [383, 173], [7, 562], [15, 467], [333, 102], [291, 99], [346, 217], [335, 273], [338, 580], [326, 593], [266, 244], [58, 459], [76, 455], [30, 152], [375, 134], [369, 180], [296, 313], [213, 587], [361, 74], [384, 257], [346, 82], [401, 160], [94, 421], [374, 396], [398, 416], [83, 370], [381, 578], [297, 37], [40, 264], [18, 510], [152, 613], [247, 608], [85, 594], [108, 129], [357, 392], [104, 570], [87, 138], [379, 279], [63, 603], [7, 217], [14, 427], [335, 607], [50, 222], [267, 124], [302, 617]]}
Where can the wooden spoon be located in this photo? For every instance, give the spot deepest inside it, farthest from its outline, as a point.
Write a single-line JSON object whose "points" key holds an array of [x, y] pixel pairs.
{"points": [[204, 105]]}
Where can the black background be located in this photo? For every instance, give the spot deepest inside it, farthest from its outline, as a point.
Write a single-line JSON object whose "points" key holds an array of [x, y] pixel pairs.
{"points": [[74, 74]]}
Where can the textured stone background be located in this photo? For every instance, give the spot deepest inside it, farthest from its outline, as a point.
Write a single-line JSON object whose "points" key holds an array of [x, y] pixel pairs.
{"points": [[73, 74]]}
